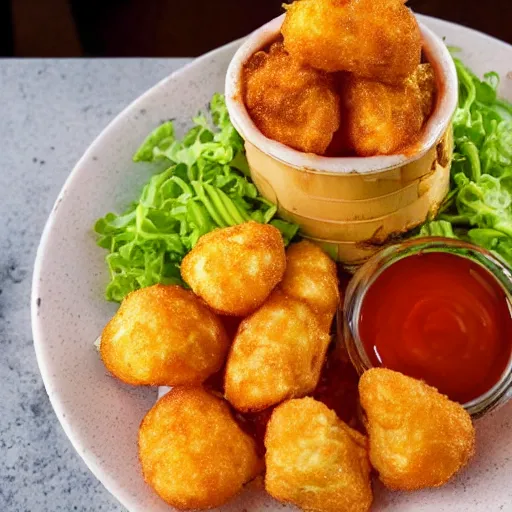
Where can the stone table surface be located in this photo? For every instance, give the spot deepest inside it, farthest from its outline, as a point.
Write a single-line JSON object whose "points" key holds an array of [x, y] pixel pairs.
{"points": [[50, 111]]}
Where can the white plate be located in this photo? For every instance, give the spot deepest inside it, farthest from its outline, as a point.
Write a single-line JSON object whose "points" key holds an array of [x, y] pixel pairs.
{"points": [[100, 415]]}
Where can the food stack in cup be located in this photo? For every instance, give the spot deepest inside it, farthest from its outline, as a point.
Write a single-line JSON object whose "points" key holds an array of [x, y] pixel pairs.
{"points": [[345, 110]]}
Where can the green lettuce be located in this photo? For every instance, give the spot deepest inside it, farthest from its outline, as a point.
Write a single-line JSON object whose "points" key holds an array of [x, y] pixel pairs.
{"points": [[479, 205], [437, 228], [205, 185]]}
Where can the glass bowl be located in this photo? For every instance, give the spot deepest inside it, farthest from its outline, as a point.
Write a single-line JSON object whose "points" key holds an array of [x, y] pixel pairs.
{"points": [[348, 318]]}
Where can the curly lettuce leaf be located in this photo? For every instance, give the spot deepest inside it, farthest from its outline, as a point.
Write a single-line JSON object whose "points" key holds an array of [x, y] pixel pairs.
{"points": [[157, 141], [478, 207]]}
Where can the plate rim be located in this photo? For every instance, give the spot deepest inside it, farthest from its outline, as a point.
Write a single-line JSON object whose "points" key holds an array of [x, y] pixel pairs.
{"points": [[452, 24], [39, 341], [90, 460]]}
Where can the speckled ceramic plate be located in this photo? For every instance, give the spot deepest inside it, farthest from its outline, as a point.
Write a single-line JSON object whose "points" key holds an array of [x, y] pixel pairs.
{"points": [[100, 415]]}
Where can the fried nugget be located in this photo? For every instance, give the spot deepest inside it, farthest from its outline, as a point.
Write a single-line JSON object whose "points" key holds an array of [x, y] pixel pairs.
{"points": [[382, 119], [163, 336], [277, 354], [291, 102], [316, 461], [424, 81], [418, 437], [312, 276], [234, 269], [192, 451], [376, 39]]}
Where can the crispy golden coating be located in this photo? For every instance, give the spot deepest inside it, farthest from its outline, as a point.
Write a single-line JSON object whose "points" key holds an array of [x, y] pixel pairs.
{"points": [[311, 276], [316, 461], [424, 81], [277, 354], [192, 451], [383, 119], [290, 102], [376, 39], [163, 336], [234, 269], [418, 437]]}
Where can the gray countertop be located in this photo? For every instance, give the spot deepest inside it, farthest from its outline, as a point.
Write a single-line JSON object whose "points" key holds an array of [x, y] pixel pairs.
{"points": [[50, 111]]}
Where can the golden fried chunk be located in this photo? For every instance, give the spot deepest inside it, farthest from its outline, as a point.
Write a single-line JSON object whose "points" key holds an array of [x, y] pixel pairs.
{"points": [[383, 119], [377, 39], [316, 461], [163, 336], [277, 354], [418, 437], [424, 81], [192, 451], [234, 269], [290, 102], [311, 276]]}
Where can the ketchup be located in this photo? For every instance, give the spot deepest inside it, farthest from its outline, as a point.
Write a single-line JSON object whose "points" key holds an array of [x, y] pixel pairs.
{"points": [[441, 318]]}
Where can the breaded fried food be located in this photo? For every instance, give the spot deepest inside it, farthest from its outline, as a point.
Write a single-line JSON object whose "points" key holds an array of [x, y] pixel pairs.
{"points": [[424, 81], [375, 39], [418, 437], [163, 336], [277, 354], [383, 119], [316, 461], [291, 102], [192, 451], [311, 276], [235, 269]]}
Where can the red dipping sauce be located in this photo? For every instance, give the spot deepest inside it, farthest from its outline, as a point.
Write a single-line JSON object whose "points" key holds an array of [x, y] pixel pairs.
{"points": [[438, 317]]}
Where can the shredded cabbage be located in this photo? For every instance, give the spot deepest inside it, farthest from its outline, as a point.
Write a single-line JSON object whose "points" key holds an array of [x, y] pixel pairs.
{"points": [[479, 205]]}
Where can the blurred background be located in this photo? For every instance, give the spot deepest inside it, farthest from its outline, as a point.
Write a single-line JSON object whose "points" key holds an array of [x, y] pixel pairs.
{"points": [[175, 28]]}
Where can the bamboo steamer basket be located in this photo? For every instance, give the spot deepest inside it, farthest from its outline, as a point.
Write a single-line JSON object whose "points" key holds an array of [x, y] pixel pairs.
{"points": [[375, 230], [351, 206]]}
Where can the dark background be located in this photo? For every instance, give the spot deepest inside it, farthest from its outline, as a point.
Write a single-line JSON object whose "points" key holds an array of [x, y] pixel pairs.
{"points": [[159, 28]]}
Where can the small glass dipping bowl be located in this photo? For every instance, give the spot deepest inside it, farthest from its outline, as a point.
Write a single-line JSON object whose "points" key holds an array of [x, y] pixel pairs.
{"points": [[365, 276]]}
